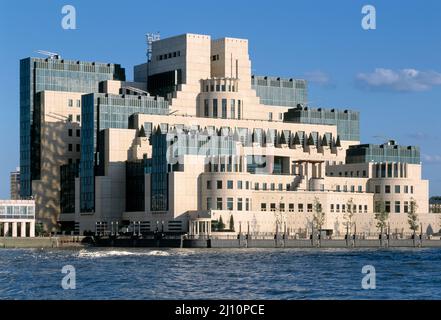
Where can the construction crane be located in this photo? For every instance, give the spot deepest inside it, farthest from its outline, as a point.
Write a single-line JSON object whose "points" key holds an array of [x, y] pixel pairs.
{"points": [[51, 55]]}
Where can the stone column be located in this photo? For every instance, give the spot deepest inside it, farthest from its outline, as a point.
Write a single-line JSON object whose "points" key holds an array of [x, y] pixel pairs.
{"points": [[6, 229], [23, 229], [14, 229], [32, 229]]}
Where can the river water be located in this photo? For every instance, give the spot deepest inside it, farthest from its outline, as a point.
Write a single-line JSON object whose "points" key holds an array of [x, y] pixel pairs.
{"points": [[219, 273]]}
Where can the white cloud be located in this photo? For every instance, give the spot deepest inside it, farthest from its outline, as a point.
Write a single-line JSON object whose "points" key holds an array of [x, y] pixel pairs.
{"points": [[403, 80], [319, 77], [431, 158]]}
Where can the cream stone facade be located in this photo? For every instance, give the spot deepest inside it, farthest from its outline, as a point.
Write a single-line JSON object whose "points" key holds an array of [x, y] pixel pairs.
{"points": [[214, 94], [60, 134], [217, 152]]}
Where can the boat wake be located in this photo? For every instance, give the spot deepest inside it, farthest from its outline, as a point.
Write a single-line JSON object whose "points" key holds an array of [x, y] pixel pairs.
{"points": [[115, 253]]}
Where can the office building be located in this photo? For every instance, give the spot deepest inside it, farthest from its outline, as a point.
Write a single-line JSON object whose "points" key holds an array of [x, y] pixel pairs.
{"points": [[17, 218], [15, 184], [196, 138]]}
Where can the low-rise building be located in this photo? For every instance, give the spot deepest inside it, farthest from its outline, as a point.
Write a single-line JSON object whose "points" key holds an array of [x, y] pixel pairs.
{"points": [[17, 218]]}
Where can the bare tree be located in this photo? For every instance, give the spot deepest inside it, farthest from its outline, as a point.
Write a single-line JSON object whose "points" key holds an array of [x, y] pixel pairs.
{"points": [[319, 216], [348, 216], [381, 215], [412, 216]]}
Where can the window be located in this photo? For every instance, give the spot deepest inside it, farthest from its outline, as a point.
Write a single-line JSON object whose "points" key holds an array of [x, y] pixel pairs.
{"points": [[247, 204], [70, 118], [280, 116], [397, 189], [291, 207], [387, 206], [282, 207], [263, 207], [230, 184], [309, 206], [70, 103], [224, 108], [343, 208], [230, 203], [360, 189], [365, 208], [256, 186], [78, 132], [273, 186], [239, 184], [247, 185], [272, 207], [233, 109], [352, 188], [377, 189], [345, 188], [70, 132], [78, 118], [264, 187], [300, 207], [70, 147], [364, 173], [214, 108], [332, 208], [78, 148], [360, 208], [209, 184], [406, 206], [337, 208], [206, 108], [337, 188], [397, 206], [219, 204], [411, 189], [219, 184], [406, 189], [270, 116], [239, 204], [386, 189], [78, 103], [209, 203], [280, 186], [239, 109]]}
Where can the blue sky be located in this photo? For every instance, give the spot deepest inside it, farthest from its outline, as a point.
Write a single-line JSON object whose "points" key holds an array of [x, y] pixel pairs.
{"points": [[392, 75]]}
